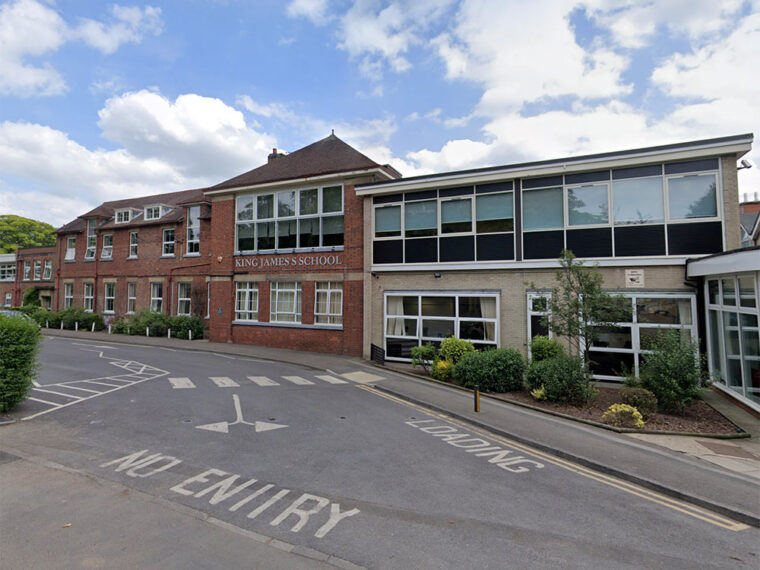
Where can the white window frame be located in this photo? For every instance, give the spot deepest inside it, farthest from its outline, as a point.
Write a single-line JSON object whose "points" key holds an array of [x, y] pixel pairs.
{"points": [[92, 240], [533, 295], [330, 290], [157, 296], [152, 212], [133, 242], [106, 251], [88, 297], [8, 299], [68, 295], [184, 302], [193, 243], [123, 216], [8, 272], [27, 270], [278, 288], [71, 249], [37, 270], [131, 296], [47, 271], [170, 244], [246, 301], [109, 297]]}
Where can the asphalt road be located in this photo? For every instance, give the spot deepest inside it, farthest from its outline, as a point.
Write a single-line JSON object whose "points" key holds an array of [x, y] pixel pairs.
{"points": [[330, 464]]}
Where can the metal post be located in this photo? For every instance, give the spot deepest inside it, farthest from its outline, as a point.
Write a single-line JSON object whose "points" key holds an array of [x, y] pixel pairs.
{"points": [[76, 326], [47, 324], [190, 334], [109, 328], [93, 326], [168, 333], [147, 331], [476, 393]]}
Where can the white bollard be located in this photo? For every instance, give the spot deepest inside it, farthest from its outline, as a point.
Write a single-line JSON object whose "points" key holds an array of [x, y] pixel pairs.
{"points": [[147, 331], [47, 324], [93, 327], [168, 333], [61, 324], [76, 326], [109, 328], [190, 334]]}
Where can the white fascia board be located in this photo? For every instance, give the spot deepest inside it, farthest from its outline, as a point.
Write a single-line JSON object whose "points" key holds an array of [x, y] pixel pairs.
{"points": [[7, 257], [567, 167], [300, 181], [736, 262], [523, 265]]}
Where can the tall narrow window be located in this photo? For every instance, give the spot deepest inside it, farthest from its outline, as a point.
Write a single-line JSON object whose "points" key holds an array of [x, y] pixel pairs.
{"points": [[285, 301], [247, 301], [68, 295], [47, 273], [168, 249], [131, 296], [494, 213], [27, 270], [8, 299], [328, 303], [109, 297], [183, 298], [456, 216], [89, 299], [37, 270], [542, 209], [71, 249], [92, 239], [132, 244], [193, 229], [156, 297], [107, 251]]}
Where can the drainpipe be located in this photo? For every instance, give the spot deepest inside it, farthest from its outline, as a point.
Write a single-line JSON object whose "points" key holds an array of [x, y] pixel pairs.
{"points": [[57, 289]]}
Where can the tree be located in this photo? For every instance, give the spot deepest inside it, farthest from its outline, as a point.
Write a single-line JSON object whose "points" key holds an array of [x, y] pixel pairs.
{"points": [[16, 232], [579, 305]]}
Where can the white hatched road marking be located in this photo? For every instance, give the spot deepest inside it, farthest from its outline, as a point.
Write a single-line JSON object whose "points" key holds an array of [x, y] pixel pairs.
{"points": [[331, 379], [181, 383], [135, 373], [262, 381], [297, 380], [362, 377], [224, 381]]}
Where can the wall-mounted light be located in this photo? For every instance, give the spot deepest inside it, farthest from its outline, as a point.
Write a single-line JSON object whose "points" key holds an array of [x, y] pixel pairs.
{"points": [[437, 274]]}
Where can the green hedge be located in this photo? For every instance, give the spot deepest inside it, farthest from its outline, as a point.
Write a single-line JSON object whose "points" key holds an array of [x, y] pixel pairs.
{"points": [[69, 317], [158, 324], [543, 348], [19, 344], [564, 379], [497, 370]]}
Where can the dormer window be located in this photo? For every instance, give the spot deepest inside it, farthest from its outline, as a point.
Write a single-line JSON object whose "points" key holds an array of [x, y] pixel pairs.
{"points": [[152, 212], [123, 216]]}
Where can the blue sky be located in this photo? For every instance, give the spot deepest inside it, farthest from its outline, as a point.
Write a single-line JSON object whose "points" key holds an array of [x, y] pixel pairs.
{"points": [[105, 101]]}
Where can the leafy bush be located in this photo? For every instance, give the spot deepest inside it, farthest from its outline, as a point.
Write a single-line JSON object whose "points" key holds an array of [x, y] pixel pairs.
{"points": [[539, 393], [72, 315], [673, 371], [31, 298], [641, 399], [543, 348], [154, 321], [120, 327], [564, 378], [423, 356], [43, 317], [453, 349], [19, 343], [181, 325], [442, 370], [623, 415], [498, 370]]}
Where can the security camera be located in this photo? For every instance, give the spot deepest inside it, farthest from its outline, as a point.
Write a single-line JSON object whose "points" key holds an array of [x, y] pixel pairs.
{"points": [[744, 164]]}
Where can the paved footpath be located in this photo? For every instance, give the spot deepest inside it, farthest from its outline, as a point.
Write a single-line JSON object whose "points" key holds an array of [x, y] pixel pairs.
{"points": [[721, 475]]}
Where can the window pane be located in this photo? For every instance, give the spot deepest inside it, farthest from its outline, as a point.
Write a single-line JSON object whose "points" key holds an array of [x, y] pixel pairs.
{"points": [[747, 291], [438, 306], [402, 305], [494, 213], [388, 221], [473, 330], [332, 199], [537, 326], [437, 329], [750, 339], [470, 307], [308, 202], [421, 218], [456, 216], [332, 231], [692, 196], [542, 209], [246, 238], [265, 207], [286, 234], [587, 205], [245, 207], [611, 363], [664, 311], [613, 337], [397, 326], [265, 235], [729, 292], [637, 201], [712, 286], [308, 233], [286, 204]]}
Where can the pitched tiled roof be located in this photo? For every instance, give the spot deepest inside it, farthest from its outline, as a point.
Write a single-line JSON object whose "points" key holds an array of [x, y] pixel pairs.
{"points": [[107, 209], [327, 156], [74, 226]]}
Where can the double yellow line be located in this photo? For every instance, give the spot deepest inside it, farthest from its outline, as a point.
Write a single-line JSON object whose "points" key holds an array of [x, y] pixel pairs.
{"points": [[658, 498]]}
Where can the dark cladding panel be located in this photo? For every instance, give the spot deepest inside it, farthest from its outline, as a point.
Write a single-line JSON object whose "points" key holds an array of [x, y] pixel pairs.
{"points": [[458, 191], [399, 347], [391, 251], [593, 242], [494, 187], [421, 250], [422, 195], [639, 240], [388, 198], [543, 245], [460, 248], [637, 172], [495, 247], [699, 237], [691, 166], [543, 182], [582, 177]]}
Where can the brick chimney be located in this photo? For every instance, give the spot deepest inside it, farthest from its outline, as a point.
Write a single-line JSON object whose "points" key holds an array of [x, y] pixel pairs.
{"points": [[276, 154]]}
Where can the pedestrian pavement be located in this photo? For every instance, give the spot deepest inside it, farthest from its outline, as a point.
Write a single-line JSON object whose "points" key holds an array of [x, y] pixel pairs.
{"points": [[719, 474]]}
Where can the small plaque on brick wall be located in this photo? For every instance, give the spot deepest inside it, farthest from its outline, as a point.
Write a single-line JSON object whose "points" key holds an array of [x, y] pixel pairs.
{"points": [[634, 278]]}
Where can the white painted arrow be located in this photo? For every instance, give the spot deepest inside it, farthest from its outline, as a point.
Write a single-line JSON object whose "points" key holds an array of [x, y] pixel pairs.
{"points": [[224, 427]]}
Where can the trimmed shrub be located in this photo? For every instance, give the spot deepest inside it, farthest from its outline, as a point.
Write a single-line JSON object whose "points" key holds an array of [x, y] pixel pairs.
{"points": [[442, 370], [543, 348], [120, 327], [673, 371], [498, 370], [154, 321], [69, 317], [453, 349], [31, 298], [539, 393], [43, 317], [423, 356], [181, 325], [19, 344], [641, 399], [623, 415], [564, 378]]}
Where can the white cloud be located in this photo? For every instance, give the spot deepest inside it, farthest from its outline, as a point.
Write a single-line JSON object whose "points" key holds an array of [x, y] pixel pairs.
{"points": [[314, 10], [30, 29]]}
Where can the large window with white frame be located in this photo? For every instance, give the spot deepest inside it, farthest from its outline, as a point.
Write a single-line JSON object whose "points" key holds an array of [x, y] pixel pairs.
{"points": [[131, 296], [290, 219], [285, 302], [37, 270], [7, 271], [47, 272], [109, 297], [156, 296], [133, 244], [68, 295], [538, 315], [92, 239], [27, 270], [71, 249], [89, 297], [168, 243], [153, 212], [193, 229], [8, 299], [416, 318], [328, 303], [733, 333], [183, 298], [246, 301], [107, 251]]}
